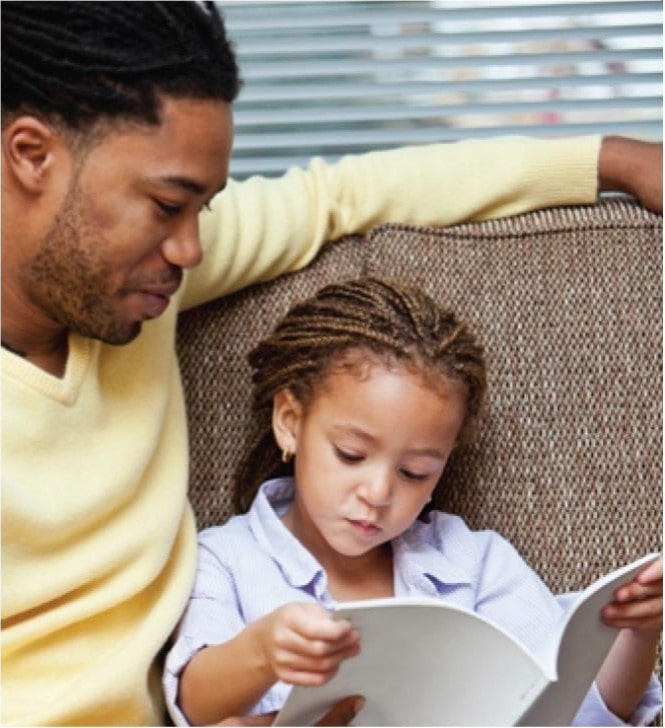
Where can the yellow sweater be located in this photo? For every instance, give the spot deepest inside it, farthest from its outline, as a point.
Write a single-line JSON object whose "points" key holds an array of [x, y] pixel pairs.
{"points": [[98, 541]]}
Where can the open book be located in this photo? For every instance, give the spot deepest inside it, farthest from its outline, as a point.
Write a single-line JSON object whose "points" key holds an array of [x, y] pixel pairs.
{"points": [[424, 662]]}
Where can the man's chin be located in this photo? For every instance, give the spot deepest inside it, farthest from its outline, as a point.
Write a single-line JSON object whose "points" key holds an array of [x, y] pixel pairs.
{"points": [[116, 336], [127, 339]]}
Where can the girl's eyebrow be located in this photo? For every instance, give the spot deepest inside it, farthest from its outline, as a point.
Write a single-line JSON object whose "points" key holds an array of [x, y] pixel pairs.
{"points": [[351, 429], [428, 452]]}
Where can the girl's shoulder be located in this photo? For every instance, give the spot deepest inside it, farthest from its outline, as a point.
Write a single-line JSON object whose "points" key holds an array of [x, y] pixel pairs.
{"points": [[234, 525], [436, 523], [233, 536], [449, 532]]}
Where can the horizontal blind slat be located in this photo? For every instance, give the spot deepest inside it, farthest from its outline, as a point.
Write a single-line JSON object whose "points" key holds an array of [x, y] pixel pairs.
{"points": [[390, 137], [317, 69], [348, 114], [324, 78], [299, 90], [312, 46], [257, 17]]}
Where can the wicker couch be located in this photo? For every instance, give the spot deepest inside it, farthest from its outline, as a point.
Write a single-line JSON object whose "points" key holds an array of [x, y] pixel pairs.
{"points": [[568, 303]]}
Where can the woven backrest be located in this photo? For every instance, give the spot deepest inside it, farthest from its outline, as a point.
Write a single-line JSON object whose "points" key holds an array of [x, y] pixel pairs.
{"points": [[567, 301]]}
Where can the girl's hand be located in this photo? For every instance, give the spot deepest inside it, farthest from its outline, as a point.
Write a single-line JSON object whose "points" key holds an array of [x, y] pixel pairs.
{"points": [[304, 645], [638, 605]]}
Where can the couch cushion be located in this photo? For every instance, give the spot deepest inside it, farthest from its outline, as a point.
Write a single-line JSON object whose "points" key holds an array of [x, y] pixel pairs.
{"points": [[568, 304]]}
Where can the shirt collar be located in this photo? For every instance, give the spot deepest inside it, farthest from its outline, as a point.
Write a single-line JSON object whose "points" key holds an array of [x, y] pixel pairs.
{"points": [[299, 567], [422, 551]]}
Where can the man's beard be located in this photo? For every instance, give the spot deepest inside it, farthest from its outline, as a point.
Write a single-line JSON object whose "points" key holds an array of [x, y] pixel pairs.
{"points": [[68, 280]]}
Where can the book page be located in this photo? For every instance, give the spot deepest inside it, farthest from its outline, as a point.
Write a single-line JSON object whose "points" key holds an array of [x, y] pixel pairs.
{"points": [[580, 649], [424, 662]]}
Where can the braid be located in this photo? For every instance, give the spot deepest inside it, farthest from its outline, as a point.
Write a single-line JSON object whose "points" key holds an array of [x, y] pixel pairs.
{"points": [[388, 321], [82, 60]]}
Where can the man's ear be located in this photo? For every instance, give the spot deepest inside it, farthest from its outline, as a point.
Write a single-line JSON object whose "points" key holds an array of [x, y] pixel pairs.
{"points": [[286, 415], [28, 147]]}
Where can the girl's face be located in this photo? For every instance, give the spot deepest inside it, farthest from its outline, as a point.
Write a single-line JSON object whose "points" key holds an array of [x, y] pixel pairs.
{"points": [[369, 450]]}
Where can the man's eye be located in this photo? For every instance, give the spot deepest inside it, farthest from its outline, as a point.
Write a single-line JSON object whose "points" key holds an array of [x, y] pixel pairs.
{"points": [[348, 457], [167, 209]]}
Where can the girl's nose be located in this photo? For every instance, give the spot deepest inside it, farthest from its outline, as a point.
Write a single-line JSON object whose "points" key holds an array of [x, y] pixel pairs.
{"points": [[377, 490]]}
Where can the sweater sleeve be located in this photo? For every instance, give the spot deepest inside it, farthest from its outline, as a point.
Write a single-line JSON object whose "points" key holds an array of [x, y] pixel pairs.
{"points": [[261, 228]]}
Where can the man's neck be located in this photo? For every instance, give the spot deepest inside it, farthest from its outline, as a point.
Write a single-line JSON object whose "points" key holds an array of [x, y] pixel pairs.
{"points": [[33, 337], [51, 358], [43, 345], [9, 347]]}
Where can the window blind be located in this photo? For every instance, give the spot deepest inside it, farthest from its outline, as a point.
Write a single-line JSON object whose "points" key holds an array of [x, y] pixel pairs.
{"points": [[328, 78]]}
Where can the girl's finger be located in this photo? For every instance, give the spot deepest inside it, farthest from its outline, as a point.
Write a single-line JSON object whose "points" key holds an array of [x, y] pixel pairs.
{"points": [[635, 612], [317, 648], [315, 624], [308, 661], [637, 592], [655, 623], [653, 572]]}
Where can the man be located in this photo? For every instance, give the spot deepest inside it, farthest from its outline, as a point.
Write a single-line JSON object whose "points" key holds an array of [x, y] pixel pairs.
{"points": [[116, 132]]}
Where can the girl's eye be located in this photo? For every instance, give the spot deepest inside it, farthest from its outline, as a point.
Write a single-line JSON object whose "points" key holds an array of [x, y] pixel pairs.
{"points": [[348, 457], [414, 476], [167, 209]]}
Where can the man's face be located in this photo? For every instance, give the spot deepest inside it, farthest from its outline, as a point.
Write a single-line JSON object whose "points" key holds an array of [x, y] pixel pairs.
{"points": [[128, 225]]}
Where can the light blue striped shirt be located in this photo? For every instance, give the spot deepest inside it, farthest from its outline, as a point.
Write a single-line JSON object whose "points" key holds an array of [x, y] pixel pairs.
{"points": [[252, 565]]}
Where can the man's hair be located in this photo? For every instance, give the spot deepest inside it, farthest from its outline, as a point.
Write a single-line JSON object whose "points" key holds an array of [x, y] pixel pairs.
{"points": [[346, 325], [80, 62]]}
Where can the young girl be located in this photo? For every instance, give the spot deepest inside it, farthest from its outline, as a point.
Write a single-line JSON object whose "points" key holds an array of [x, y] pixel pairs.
{"points": [[361, 395]]}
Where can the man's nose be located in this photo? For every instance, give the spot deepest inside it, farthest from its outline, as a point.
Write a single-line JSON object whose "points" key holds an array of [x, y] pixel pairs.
{"points": [[183, 247]]}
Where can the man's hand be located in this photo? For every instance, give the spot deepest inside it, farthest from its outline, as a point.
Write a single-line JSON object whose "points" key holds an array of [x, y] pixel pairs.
{"points": [[340, 714], [634, 167]]}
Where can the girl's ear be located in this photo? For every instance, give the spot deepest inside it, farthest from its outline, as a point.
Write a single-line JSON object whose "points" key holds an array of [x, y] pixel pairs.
{"points": [[28, 147], [287, 413]]}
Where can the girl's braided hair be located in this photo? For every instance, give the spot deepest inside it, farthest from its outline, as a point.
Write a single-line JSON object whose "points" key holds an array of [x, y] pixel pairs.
{"points": [[391, 323], [77, 62]]}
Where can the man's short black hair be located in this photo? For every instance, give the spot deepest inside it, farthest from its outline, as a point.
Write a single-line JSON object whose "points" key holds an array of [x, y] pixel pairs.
{"points": [[82, 61]]}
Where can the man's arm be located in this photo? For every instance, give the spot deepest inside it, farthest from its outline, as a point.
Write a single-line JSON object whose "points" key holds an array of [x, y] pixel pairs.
{"points": [[634, 167], [262, 228]]}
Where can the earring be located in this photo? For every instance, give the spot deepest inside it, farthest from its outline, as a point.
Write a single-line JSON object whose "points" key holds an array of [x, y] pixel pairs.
{"points": [[286, 455]]}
